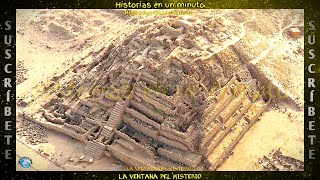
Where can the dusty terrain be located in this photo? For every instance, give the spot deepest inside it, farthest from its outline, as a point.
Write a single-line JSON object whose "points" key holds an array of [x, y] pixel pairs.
{"points": [[253, 43]]}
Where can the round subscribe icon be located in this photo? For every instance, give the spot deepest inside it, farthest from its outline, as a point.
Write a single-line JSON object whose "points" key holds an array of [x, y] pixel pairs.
{"points": [[25, 162]]}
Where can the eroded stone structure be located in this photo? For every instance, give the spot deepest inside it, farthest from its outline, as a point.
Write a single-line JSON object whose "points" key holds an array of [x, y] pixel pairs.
{"points": [[276, 161], [154, 101]]}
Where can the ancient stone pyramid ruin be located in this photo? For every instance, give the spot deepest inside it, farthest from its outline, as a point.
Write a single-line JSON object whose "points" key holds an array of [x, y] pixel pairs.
{"points": [[156, 98]]}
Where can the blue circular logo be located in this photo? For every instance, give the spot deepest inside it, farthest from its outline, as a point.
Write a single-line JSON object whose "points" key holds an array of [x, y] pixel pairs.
{"points": [[25, 162]]}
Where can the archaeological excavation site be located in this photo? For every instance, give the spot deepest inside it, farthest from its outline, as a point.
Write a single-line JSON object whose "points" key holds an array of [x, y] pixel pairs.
{"points": [[211, 90]]}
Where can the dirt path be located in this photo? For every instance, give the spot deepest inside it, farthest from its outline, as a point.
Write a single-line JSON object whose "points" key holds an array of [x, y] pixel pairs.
{"points": [[276, 38]]}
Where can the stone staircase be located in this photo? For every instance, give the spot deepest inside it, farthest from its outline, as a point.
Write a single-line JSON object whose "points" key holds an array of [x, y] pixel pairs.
{"points": [[116, 115], [114, 120], [95, 149]]}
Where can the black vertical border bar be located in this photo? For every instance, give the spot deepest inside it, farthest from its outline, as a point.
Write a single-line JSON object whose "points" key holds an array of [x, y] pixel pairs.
{"points": [[312, 13], [8, 14]]}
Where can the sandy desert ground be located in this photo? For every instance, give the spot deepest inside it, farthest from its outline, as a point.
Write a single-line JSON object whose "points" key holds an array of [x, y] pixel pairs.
{"points": [[51, 41]]}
